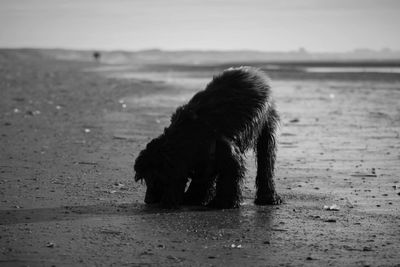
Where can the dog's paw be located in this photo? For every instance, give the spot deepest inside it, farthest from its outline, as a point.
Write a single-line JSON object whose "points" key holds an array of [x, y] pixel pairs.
{"points": [[273, 199]]}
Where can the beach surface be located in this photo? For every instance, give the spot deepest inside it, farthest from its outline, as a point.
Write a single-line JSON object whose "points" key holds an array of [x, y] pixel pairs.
{"points": [[71, 130]]}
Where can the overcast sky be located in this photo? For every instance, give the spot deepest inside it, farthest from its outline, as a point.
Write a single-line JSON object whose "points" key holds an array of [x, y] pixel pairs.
{"points": [[268, 25]]}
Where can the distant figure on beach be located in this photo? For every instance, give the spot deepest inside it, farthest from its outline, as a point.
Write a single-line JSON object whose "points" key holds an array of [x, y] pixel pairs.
{"points": [[96, 56]]}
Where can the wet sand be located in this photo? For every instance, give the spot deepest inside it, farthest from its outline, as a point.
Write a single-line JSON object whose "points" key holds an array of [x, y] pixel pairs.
{"points": [[71, 130]]}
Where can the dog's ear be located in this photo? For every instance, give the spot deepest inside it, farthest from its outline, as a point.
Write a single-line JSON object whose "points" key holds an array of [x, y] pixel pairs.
{"points": [[142, 164], [138, 178], [148, 160]]}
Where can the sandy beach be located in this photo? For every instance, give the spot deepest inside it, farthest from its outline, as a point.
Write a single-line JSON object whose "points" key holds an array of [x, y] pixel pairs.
{"points": [[71, 129]]}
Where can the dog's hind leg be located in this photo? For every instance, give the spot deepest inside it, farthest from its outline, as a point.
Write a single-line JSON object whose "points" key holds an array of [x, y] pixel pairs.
{"points": [[230, 167], [266, 154]]}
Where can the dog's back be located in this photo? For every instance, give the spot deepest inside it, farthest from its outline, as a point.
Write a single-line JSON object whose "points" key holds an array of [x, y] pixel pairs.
{"points": [[233, 102]]}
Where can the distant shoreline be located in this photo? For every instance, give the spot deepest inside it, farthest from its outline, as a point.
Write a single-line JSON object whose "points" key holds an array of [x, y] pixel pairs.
{"points": [[206, 64], [363, 57]]}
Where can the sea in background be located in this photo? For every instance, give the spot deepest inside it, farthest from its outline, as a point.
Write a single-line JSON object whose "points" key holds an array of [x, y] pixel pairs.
{"points": [[353, 69]]}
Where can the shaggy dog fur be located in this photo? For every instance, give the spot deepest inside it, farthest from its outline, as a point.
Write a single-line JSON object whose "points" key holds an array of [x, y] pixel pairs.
{"points": [[206, 143]]}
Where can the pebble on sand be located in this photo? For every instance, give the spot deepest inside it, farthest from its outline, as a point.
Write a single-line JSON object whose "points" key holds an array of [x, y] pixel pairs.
{"points": [[333, 207]]}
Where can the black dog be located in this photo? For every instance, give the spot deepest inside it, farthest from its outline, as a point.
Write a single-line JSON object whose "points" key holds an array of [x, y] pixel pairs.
{"points": [[206, 142]]}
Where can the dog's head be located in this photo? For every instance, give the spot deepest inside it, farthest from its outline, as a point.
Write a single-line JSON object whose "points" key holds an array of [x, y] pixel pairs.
{"points": [[163, 184], [148, 169]]}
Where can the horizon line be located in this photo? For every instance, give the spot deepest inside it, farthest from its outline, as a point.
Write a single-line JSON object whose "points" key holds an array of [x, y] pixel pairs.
{"points": [[300, 50]]}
